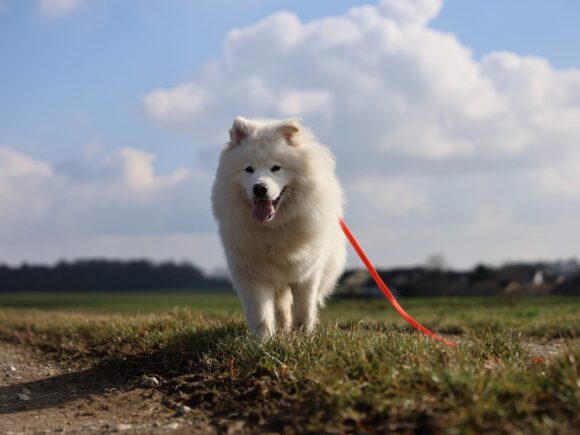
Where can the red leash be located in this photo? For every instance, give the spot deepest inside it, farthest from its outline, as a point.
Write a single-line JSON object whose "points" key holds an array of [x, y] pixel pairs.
{"points": [[386, 290]]}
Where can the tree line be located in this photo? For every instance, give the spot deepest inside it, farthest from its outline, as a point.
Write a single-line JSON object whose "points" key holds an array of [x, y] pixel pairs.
{"points": [[98, 275], [107, 275], [541, 278]]}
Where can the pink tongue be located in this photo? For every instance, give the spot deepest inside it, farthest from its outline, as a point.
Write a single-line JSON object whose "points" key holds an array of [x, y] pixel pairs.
{"points": [[263, 210]]}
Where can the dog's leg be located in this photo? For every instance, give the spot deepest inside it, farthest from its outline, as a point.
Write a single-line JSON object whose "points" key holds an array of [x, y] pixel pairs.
{"points": [[332, 271], [283, 307], [305, 307], [258, 306]]}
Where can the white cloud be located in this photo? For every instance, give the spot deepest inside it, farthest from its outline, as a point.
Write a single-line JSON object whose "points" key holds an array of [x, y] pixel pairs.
{"points": [[447, 150], [59, 7], [389, 197], [138, 172], [417, 12], [14, 164], [562, 181], [292, 104], [378, 75], [19, 175], [113, 205], [184, 102], [118, 193]]}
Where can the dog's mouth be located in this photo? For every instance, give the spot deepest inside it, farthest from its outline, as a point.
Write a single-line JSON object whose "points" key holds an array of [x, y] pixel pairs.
{"points": [[265, 209]]}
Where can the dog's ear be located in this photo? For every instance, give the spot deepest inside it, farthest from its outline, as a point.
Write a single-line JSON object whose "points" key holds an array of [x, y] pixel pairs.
{"points": [[241, 128], [289, 131]]}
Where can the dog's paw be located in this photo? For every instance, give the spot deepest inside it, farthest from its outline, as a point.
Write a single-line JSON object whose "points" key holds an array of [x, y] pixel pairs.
{"points": [[264, 331]]}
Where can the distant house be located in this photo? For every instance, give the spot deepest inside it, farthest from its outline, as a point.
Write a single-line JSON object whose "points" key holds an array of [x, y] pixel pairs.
{"points": [[562, 277], [534, 280]]}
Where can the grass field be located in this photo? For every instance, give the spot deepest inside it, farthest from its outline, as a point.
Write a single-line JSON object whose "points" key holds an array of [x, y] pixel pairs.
{"points": [[517, 368]]}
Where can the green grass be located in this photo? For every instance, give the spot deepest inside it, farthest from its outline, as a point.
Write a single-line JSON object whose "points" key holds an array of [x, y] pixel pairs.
{"points": [[549, 317], [361, 371], [535, 316], [219, 301]]}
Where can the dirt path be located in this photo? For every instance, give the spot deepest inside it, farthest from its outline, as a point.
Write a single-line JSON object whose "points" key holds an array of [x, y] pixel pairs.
{"points": [[38, 395]]}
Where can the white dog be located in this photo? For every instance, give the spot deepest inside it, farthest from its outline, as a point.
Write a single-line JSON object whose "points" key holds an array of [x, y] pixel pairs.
{"points": [[277, 201]]}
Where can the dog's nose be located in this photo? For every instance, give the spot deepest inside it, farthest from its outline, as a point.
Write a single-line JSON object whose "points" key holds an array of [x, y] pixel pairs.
{"points": [[260, 190]]}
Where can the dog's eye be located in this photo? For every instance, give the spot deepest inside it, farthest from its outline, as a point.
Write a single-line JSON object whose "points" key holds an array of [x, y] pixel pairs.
{"points": [[249, 170], [275, 168]]}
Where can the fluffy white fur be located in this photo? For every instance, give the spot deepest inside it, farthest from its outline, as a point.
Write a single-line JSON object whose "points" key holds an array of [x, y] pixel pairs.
{"points": [[285, 250]]}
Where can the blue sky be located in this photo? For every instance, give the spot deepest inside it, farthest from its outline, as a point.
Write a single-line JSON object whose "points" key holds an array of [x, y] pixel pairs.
{"points": [[77, 79]]}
